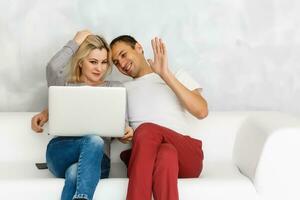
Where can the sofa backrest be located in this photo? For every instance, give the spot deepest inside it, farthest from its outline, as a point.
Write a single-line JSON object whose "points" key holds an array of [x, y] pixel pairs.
{"points": [[18, 142], [217, 132]]}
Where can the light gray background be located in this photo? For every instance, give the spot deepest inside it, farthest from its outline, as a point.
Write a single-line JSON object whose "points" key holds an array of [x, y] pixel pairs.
{"points": [[245, 53]]}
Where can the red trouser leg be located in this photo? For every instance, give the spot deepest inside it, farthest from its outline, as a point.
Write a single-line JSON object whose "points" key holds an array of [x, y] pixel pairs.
{"points": [[165, 173], [143, 163]]}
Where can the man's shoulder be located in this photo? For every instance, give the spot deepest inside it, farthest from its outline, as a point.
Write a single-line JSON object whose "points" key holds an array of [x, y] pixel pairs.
{"points": [[187, 80]]}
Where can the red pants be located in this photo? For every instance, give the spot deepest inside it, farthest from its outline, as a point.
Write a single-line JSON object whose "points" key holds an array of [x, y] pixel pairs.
{"points": [[160, 156]]}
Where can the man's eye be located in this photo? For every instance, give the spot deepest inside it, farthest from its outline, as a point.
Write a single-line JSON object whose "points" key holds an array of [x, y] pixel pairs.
{"points": [[123, 55]]}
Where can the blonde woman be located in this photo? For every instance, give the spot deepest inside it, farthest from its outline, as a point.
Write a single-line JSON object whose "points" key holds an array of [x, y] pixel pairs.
{"points": [[82, 161]]}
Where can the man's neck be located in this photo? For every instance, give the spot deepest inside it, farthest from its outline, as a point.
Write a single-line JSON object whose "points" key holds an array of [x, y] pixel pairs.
{"points": [[145, 69]]}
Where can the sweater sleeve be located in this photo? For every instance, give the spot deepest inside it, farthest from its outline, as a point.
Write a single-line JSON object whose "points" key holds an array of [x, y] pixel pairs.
{"points": [[56, 69]]}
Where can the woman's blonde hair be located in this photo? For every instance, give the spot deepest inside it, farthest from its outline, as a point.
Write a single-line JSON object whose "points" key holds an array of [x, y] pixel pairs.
{"points": [[90, 43]]}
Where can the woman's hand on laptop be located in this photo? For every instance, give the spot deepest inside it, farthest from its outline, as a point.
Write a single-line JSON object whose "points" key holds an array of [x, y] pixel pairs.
{"points": [[127, 135], [39, 120]]}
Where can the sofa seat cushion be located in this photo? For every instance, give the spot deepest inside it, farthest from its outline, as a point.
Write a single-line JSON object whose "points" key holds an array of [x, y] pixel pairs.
{"points": [[219, 180], [11, 171]]}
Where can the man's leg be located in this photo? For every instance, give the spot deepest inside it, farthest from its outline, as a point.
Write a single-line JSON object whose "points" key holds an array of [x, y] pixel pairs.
{"points": [[125, 156], [146, 143], [145, 146], [165, 173]]}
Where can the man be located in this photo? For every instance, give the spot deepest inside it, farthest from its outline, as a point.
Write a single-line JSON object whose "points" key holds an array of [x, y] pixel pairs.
{"points": [[157, 100]]}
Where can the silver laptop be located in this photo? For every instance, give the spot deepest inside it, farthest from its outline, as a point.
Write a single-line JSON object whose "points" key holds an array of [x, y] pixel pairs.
{"points": [[82, 110]]}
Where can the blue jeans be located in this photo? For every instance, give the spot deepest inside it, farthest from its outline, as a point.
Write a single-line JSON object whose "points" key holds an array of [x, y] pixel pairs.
{"points": [[81, 161]]}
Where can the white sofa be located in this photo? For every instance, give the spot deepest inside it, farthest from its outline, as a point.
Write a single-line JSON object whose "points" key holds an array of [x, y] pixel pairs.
{"points": [[248, 155]]}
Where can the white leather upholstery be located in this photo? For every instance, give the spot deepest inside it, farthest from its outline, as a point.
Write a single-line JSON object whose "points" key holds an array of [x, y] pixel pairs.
{"points": [[246, 155], [267, 150], [219, 179]]}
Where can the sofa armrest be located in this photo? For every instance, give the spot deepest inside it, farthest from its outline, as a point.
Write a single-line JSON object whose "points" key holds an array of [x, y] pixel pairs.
{"points": [[266, 150]]}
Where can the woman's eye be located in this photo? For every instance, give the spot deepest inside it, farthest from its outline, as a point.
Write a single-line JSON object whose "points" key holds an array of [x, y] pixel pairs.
{"points": [[123, 55], [93, 62], [104, 62]]}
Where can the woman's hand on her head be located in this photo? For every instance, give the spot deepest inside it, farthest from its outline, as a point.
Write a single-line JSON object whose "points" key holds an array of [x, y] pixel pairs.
{"points": [[39, 120], [128, 135], [81, 35]]}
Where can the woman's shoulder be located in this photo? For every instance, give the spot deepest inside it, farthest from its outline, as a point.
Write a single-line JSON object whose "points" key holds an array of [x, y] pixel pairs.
{"points": [[106, 84], [114, 84], [74, 84]]}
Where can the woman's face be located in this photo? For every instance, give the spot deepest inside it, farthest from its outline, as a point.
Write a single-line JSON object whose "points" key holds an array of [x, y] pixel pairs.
{"points": [[94, 67]]}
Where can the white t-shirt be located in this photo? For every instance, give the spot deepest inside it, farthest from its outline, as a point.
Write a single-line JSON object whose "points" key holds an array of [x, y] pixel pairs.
{"points": [[151, 100]]}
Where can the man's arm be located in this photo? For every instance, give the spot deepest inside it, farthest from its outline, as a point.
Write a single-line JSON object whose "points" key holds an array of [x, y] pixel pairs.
{"points": [[191, 100]]}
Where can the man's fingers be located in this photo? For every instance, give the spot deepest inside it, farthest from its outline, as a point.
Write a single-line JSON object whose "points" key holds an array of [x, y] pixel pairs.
{"points": [[160, 46], [129, 138], [124, 140], [164, 49], [153, 46], [157, 45], [150, 62], [121, 140], [127, 135]]}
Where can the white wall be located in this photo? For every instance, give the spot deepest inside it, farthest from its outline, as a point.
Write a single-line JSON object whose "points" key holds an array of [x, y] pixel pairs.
{"points": [[246, 54]]}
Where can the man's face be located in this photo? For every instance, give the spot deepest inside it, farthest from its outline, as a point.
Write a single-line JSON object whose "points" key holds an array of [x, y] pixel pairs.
{"points": [[127, 59]]}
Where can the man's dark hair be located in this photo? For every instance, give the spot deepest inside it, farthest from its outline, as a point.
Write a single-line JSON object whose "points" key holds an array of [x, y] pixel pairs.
{"points": [[124, 38]]}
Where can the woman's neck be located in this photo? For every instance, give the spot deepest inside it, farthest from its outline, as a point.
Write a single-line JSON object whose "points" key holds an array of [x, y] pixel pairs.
{"points": [[85, 80]]}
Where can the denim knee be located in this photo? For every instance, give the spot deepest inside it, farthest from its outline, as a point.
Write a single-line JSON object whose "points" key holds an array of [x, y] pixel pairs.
{"points": [[71, 174], [50, 152], [94, 142]]}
